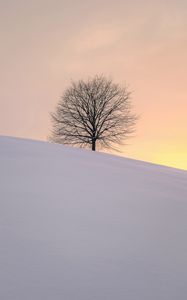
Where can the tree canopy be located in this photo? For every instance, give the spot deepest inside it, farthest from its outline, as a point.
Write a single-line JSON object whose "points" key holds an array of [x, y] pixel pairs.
{"points": [[96, 111]]}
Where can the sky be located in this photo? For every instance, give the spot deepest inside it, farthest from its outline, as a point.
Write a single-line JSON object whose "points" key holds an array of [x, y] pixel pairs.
{"points": [[143, 44]]}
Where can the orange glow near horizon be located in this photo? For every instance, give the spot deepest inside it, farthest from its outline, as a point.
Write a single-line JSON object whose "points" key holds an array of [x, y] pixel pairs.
{"points": [[167, 155], [46, 44]]}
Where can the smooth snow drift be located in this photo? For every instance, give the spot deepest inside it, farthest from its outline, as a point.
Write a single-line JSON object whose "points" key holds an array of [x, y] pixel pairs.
{"points": [[79, 225]]}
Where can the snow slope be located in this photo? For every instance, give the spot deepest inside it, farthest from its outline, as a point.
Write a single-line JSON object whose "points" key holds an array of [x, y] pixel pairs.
{"points": [[79, 225]]}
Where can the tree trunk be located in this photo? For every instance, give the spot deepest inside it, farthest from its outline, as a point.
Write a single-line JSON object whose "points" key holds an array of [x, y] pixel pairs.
{"points": [[93, 145]]}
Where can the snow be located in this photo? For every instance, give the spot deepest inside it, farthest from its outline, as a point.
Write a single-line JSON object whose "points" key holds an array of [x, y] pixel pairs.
{"points": [[79, 225]]}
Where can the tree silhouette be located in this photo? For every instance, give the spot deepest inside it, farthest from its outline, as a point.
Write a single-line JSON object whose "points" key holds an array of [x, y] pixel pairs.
{"points": [[93, 111]]}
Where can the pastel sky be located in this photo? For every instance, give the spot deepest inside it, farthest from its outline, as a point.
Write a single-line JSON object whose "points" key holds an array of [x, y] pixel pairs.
{"points": [[46, 43]]}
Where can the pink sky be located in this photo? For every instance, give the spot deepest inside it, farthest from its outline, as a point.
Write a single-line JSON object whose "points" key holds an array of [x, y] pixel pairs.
{"points": [[45, 44]]}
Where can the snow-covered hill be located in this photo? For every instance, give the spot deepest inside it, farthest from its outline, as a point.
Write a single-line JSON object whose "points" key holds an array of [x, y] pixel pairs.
{"points": [[79, 225]]}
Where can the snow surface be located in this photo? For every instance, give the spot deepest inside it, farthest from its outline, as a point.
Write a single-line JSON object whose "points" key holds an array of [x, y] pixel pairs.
{"points": [[79, 225]]}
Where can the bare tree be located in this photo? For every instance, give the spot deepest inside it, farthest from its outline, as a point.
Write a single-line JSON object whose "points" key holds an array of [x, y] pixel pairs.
{"points": [[93, 111]]}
